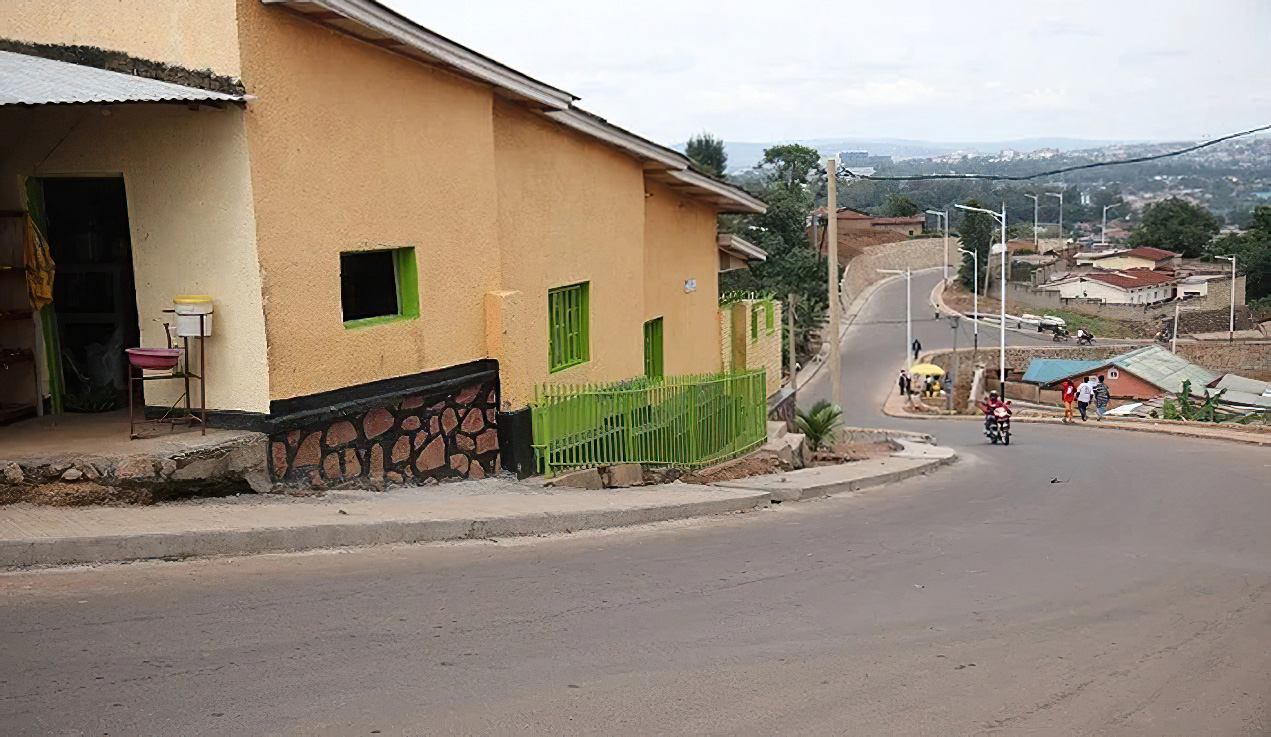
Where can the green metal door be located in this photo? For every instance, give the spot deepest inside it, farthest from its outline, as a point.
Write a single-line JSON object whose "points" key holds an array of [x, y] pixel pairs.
{"points": [[653, 348]]}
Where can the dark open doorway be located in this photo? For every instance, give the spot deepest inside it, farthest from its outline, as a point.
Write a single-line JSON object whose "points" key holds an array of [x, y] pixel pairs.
{"points": [[94, 295]]}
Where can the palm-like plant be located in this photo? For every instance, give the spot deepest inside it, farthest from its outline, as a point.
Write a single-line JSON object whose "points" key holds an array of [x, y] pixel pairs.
{"points": [[821, 424]]}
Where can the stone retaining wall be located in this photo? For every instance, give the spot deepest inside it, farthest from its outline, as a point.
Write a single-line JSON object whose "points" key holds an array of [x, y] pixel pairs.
{"points": [[1023, 298], [921, 253], [419, 438]]}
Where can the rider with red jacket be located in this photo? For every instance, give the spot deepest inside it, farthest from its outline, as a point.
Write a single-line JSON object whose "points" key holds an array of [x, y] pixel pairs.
{"points": [[991, 403]]}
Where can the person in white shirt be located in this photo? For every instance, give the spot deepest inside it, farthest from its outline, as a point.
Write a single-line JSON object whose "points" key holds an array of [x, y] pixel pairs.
{"points": [[1085, 393]]}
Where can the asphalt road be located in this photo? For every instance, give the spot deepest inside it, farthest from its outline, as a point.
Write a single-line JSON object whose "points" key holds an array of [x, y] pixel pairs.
{"points": [[1131, 597]]}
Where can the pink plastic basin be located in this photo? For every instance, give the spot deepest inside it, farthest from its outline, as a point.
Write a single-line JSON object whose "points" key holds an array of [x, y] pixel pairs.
{"points": [[153, 358]]}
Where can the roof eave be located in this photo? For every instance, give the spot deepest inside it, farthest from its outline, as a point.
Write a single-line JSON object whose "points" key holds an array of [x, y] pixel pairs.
{"points": [[380, 26]]}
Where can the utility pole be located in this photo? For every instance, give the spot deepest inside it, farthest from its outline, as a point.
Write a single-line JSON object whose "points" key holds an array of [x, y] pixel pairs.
{"points": [[1060, 195], [953, 382], [832, 249], [1036, 200]]}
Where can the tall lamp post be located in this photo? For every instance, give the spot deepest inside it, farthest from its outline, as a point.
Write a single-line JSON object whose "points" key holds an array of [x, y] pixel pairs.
{"points": [[1060, 195], [975, 291], [944, 214], [953, 380], [1001, 365], [1103, 234], [909, 325], [1231, 325], [1036, 204]]}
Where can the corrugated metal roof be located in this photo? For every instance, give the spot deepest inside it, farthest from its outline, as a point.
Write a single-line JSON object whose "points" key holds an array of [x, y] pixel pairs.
{"points": [[1048, 370], [31, 80], [1159, 367]]}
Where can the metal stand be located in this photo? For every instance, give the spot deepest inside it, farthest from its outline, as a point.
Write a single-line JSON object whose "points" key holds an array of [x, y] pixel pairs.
{"points": [[174, 415]]}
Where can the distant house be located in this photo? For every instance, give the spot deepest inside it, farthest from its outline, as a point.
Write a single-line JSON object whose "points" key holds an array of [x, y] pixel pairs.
{"points": [[1142, 373], [737, 253], [1143, 257], [850, 220], [1130, 286]]}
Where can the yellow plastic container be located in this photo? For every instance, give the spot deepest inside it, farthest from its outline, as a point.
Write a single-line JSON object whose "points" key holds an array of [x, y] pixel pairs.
{"points": [[188, 309]]}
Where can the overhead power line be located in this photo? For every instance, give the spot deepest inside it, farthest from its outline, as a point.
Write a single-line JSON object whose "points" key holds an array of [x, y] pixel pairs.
{"points": [[1053, 172]]}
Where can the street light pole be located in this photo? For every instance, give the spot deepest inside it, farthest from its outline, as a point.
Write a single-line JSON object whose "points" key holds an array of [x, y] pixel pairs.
{"points": [[1231, 325], [909, 330], [944, 214], [832, 272], [1060, 195], [975, 291], [1001, 366], [1103, 234], [1036, 202], [953, 382], [1173, 344]]}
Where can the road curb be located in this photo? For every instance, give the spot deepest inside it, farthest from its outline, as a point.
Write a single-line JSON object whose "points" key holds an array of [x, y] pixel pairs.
{"points": [[24, 553], [795, 489]]}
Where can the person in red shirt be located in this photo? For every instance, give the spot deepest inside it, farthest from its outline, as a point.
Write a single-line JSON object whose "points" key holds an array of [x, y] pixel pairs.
{"points": [[1070, 396]]}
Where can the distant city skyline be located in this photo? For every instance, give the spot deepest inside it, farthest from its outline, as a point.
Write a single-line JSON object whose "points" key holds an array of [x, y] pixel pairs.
{"points": [[978, 70]]}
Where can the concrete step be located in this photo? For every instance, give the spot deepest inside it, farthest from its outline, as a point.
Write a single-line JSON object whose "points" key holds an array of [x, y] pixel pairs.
{"points": [[776, 430]]}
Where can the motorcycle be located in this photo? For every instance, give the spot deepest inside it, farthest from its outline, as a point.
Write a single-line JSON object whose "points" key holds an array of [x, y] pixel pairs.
{"points": [[1085, 340], [1060, 336], [999, 428]]}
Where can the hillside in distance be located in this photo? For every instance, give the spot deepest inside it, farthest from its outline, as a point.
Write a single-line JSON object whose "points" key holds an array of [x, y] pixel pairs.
{"points": [[744, 155]]}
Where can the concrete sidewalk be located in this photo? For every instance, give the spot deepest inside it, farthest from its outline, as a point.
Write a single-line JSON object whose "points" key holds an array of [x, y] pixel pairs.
{"points": [[38, 535]]}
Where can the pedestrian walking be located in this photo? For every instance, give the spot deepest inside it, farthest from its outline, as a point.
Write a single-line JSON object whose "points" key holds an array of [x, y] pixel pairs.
{"points": [[1070, 396], [917, 348], [905, 384], [1085, 393], [1101, 396]]}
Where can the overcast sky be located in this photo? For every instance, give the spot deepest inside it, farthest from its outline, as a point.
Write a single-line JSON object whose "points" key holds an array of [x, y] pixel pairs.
{"points": [[937, 70]]}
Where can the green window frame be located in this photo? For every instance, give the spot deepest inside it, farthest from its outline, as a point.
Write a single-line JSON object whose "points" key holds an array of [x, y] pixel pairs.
{"points": [[406, 283], [568, 322], [769, 316], [754, 323], [653, 348]]}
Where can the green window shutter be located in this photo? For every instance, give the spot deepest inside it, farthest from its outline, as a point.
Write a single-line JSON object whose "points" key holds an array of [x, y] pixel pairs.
{"points": [[754, 323], [568, 337], [653, 348], [769, 316]]}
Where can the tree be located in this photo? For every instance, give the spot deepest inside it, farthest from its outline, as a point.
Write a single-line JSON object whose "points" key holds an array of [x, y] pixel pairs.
{"points": [[708, 152], [1252, 250], [792, 164], [1176, 225], [791, 267], [975, 233], [899, 206]]}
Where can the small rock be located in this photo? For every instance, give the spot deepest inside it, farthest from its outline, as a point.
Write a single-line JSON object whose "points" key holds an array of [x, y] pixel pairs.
{"points": [[72, 474], [89, 471], [13, 473], [167, 467]]}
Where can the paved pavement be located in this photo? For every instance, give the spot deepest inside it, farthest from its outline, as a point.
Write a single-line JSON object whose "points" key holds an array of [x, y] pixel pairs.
{"points": [[1075, 582]]}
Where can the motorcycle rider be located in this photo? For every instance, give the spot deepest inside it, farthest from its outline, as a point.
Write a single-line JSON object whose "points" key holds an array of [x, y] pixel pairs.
{"points": [[991, 403], [1084, 336]]}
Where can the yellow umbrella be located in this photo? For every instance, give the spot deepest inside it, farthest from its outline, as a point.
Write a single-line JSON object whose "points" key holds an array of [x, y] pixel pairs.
{"points": [[926, 369]]}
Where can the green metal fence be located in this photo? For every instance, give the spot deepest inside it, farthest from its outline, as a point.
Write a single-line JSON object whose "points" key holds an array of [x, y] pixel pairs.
{"points": [[684, 421]]}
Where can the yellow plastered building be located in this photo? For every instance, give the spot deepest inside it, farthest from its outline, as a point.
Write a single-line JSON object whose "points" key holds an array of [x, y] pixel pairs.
{"points": [[382, 217]]}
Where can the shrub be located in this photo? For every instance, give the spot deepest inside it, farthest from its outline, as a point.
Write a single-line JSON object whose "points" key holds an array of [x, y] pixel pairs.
{"points": [[821, 424]]}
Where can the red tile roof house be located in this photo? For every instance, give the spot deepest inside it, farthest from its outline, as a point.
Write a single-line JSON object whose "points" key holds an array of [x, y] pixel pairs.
{"points": [[1130, 286]]}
